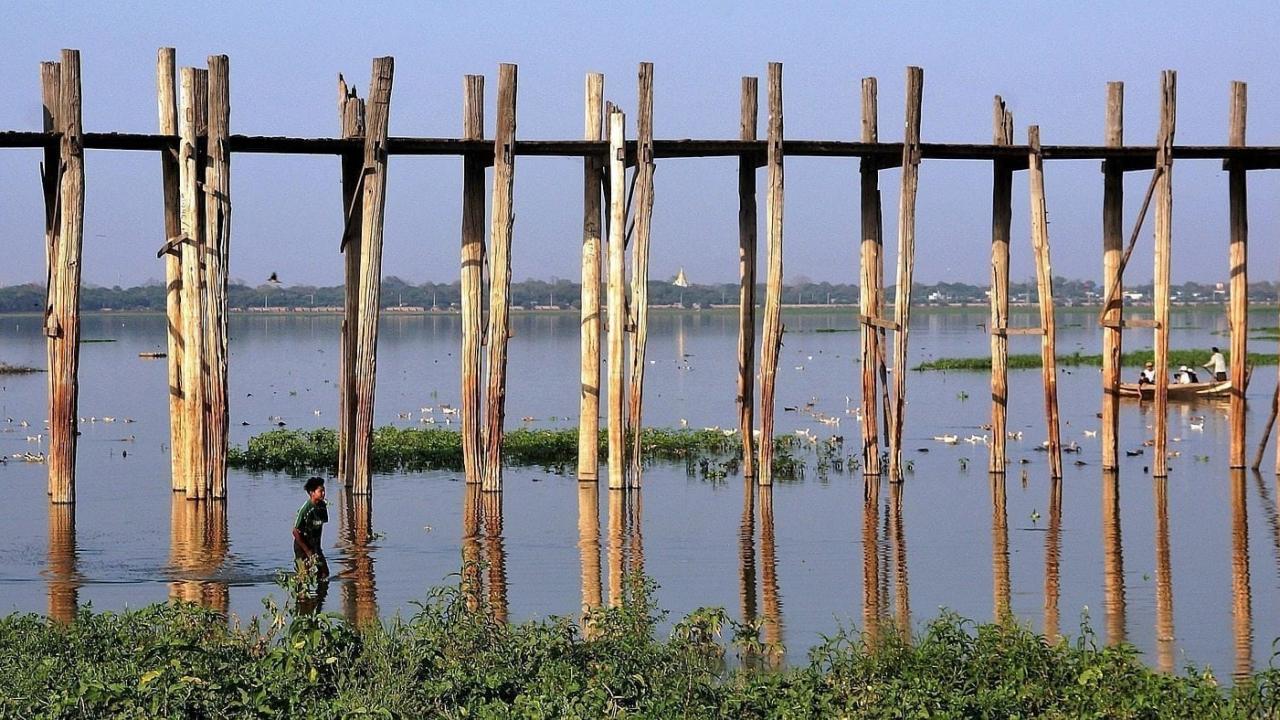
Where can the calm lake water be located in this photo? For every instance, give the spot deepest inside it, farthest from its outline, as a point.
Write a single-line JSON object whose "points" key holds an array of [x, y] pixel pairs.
{"points": [[1187, 569]]}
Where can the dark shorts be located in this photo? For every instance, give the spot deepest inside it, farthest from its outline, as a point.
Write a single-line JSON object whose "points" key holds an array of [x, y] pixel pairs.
{"points": [[1220, 377]]}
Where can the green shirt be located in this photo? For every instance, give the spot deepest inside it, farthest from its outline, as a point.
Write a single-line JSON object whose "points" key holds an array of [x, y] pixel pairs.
{"points": [[310, 521]]}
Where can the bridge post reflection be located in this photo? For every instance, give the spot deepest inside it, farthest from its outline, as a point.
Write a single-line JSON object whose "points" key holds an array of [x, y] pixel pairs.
{"points": [[771, 608], [626, 541], [63, 578], [198, 546], [589, 550], [872, 598], [355, 533], [898, 542], [1241, 593], [1113, 559], [1000, 584], [1053, 562], [1164, 577], [495, 551]]}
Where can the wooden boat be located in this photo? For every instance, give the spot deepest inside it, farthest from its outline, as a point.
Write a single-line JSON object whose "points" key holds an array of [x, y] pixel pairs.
{"points": [[1186, 391], [152, 355]]}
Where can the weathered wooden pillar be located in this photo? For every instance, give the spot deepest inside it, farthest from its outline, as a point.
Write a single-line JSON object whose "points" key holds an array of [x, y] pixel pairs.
{"points": [[1163, 252], [616, 309], [217, 256], [1001, 222], [747, 221], [589, 387], [771, 342], [351, 123], [1044, 291], [1112, 559], [192, 124], [1239, 258], [906, 264], [642, 216], [1001, 588], [166, 100], [1112, 250], [472, 279], [871, 295], [372, 206], [62, 311], [51, 186], [504, 166]]}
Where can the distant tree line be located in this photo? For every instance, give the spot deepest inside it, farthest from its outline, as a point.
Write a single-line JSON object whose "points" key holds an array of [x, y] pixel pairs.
{"points": [[564, 294]]}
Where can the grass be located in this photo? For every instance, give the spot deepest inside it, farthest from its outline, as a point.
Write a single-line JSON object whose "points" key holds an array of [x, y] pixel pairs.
{"points": [[449, 661], [7, 369], [711, 452], [1192, 358]]}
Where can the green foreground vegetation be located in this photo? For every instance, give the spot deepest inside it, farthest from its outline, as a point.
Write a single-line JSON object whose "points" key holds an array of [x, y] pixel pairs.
{"points": [[1191, 358], [449, 661], [713, 453]]}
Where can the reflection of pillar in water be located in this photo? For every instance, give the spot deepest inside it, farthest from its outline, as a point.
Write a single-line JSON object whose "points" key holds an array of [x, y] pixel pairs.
{"points": [[180, 516], [589, 544], [1112, 558], [64, 585], [1270, 513], [359, 589], [1000, 586], [898, 539], [495, 554], [198, 545], [772, 605], [1242, 601], [1053, 561], [635, 533], [215, 593], [747, 552], [872, 610], [617, 500], [471, 582], [1164, 578]]}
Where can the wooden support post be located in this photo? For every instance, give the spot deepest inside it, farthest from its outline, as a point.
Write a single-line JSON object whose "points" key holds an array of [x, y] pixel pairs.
{"points": [[217, 223], [747, 121], [504, 166], [1239, 258], [168, 112], [472, 278], [771, 342], [617, 300], [589, 387], [372, 206], [906, 264], [1163, 252], [62, 314], [871, 295], [642, 217], [1044, 291], [1001, 222], [51, 185], [351, 124], [1112, 250], [192, 122]]}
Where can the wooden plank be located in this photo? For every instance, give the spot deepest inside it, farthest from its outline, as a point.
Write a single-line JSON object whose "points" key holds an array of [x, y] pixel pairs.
{"points": [[749, 111], [1005, 332], [217, 256], [642, 215], [906, 264], [1001, 223], [1163, 253], [1239, 277], [192, 122], [1044, 293], [616, 301], [351, 112], [771, 340], [589, 385], [472, 280], [871, 282], [167, 106], [51, 182], [372, 206], [500, 276], [1113, 310]]}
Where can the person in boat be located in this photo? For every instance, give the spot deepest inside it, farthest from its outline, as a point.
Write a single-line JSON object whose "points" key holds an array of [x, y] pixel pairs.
{"points": [[1148, 374], [1185, 376], [1217, 365]]}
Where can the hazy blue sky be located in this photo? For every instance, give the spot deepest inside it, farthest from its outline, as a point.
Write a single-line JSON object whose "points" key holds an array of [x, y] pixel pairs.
{"points": [[1051, 62]]}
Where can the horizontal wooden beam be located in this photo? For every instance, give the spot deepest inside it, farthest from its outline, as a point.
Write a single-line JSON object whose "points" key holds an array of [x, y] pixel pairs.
{"points": [[878, 322], [1133, 323], [1136, 157]]}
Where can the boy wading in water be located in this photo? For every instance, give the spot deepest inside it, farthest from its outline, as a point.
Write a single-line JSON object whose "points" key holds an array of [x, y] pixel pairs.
{"points": [[314, 513]]}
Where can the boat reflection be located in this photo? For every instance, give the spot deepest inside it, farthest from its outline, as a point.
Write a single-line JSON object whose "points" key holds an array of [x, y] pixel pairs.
{"points": [[1241, 594], [1113, 559], [355, 538], [62, 574], [198, 546], [1164, 578]]}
